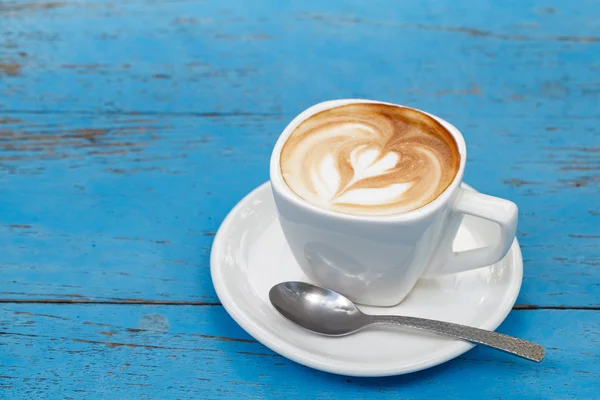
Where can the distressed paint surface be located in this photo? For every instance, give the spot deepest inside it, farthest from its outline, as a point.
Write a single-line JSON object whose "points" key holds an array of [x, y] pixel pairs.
{"points": [[129, 129], [198, 352]]}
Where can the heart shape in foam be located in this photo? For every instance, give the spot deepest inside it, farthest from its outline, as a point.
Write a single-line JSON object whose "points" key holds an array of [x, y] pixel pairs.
{"points": [[366, 162]]}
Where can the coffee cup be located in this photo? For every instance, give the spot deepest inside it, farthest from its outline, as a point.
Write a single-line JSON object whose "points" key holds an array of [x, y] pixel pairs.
{"points": [[377, 259]]}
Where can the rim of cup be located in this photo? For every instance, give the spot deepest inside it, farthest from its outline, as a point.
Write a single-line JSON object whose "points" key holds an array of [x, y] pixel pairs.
{"points": [[282, 189]]}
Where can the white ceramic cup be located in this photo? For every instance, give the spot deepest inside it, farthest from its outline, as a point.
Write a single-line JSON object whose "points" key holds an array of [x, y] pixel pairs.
{"points": [[377, 260]]}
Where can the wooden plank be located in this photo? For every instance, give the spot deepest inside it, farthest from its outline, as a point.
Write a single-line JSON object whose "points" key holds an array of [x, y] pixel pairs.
{"points": [[532, 58], [164, 117], [109, 207], [199, 352], [126, 208]]}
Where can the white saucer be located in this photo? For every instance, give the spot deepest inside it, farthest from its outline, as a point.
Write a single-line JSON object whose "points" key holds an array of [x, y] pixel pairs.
{"points": [[250, 255]]}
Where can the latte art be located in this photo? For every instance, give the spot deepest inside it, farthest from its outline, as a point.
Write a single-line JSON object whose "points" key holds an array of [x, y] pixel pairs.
{"points": [[369, 159]]}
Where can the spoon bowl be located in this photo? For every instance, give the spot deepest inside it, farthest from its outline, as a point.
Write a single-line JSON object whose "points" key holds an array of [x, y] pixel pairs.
{"points": [[317, 309]]}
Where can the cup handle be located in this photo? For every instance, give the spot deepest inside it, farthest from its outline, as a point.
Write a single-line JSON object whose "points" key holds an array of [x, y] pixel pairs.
{"points": [[502, 212]]}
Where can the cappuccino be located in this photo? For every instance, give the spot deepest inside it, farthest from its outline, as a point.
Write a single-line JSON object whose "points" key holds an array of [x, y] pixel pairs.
{"points": [[369, 159]]}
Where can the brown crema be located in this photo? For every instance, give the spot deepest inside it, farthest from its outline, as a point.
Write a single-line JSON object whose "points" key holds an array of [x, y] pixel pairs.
{"points": [[369, 159]]}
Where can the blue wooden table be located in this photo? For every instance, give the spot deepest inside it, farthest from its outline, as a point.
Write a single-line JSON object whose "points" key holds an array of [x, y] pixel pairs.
{"points": [[128, 130]]}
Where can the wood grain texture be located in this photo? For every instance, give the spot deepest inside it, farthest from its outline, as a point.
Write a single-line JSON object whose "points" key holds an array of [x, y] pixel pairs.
{"points": [[112, 207], [129, 129], [122, 158], [198, 352]]}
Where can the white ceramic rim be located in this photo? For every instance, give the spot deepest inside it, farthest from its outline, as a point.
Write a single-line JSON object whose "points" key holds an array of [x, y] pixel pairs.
{"points": [[280, 346], [282, 189]]}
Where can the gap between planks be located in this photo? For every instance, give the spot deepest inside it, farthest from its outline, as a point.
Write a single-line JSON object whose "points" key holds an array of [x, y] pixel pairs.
{"points": [[207, 114], [215, 303]]}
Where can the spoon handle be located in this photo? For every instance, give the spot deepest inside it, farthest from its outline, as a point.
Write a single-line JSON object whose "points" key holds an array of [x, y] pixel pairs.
{"points": [[522, 348]]}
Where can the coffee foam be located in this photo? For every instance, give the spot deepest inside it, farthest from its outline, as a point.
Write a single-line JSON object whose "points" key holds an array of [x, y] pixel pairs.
{"points": [[369, 159]]}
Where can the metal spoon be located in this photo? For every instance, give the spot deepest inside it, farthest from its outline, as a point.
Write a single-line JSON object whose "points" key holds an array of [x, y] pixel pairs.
{"points": [[327, 312]]}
